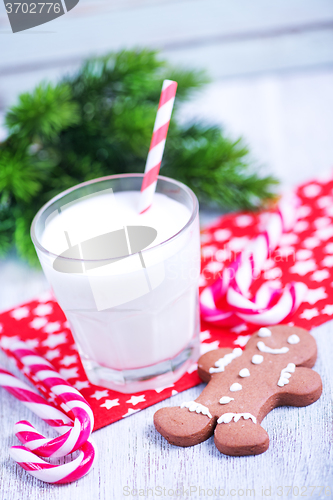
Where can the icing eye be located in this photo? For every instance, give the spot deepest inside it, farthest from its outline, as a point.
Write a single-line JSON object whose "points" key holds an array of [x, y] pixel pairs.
{"points": [[264, 332], [293, 339], [236, 387]]}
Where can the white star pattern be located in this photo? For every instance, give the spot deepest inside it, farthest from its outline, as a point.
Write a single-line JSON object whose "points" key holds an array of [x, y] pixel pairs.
{"points": [[274, 273], [222, 255], [209, 347], [32, 343], [328, 261], [130, 412], [329, 211], [322, 222], [303, 254], [38, 323], [214, 267], [328, 309], [43, 310], [68, 373], [243, 220], [313, 296], [222, 234], [205, 335], [325, 233], [81, 384], [301, 226], [288, 239], [174, 392], [311, 190], [52, 354], [303, 267], [208, 251], [69, 360], [238, 244], [309, 313], [55, 339], [1, 327], [311, 242], [202, 281], [242, 340], [285, 251], [325, 201], [239, 328], [100, 394], [20, 313], [110, 403], [5, 341], [320, 275], [52, 327], [136, 399], [161, 389], [205, 238]]}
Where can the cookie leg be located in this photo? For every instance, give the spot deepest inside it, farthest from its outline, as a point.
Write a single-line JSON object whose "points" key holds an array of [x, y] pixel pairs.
{"points": [[181, 427], [241, 438]]}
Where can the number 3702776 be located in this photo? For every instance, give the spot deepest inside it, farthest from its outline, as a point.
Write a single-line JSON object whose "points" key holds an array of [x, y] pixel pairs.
{"points": [[32, 8]]}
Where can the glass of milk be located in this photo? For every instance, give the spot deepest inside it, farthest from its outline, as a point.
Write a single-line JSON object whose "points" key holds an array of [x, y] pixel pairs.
{"points": [[127, 282]]}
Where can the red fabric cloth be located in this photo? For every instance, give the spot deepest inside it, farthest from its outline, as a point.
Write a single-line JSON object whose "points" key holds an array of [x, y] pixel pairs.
{"points": [[305, 254]]}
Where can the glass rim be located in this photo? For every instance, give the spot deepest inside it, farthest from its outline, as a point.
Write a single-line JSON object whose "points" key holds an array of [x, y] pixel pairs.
{"points": [[38, 215]]}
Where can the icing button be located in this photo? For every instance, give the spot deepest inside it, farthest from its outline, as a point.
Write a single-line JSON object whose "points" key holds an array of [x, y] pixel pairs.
{"points": [[236, 387], [244, 373], [257, 359]]}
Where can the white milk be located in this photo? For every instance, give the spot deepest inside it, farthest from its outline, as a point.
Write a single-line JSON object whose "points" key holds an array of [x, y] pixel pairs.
{"points": [[148, 325]]}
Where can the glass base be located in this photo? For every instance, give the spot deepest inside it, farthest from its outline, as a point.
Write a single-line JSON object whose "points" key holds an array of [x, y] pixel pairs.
{"points": [[154, 377]]}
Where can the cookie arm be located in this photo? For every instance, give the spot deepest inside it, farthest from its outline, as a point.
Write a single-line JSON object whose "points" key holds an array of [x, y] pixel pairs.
{"points": [[303, 389], [208, 360]]}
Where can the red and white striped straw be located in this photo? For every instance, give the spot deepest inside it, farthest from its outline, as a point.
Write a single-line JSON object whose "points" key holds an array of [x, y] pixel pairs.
{"points": [[157, 144]]}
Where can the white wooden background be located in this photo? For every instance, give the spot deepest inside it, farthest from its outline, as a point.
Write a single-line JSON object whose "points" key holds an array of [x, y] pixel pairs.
{"points": [[272, 69]]}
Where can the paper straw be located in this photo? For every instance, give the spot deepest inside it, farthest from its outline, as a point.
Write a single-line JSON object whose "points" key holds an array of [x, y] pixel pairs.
{"points": [[157, 144]]}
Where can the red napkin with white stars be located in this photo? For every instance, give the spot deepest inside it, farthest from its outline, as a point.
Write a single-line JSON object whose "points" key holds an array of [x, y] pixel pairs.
{"points": [[305, 254]]}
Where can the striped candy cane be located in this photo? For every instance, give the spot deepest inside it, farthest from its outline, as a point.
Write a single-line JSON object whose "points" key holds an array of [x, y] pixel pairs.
{"points": [[27, 434], [270, 306], [72, 403], [157, 144]]}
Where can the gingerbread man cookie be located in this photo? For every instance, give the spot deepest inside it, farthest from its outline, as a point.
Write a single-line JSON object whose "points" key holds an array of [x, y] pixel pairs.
{"points": [[243, 386]]}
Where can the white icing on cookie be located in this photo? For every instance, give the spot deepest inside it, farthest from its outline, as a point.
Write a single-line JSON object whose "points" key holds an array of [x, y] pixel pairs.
{"points": [[227, 417], [244, 373], [236, 387], [197, 407], [264, 348], [225, 400], [221, 363], [257, 359], [293, 339], [286, 374], [264, 332]]}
